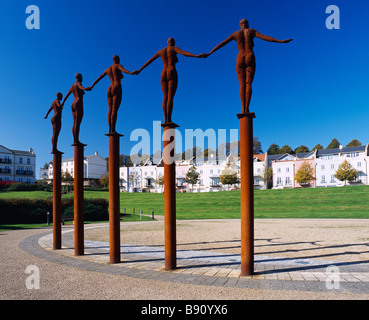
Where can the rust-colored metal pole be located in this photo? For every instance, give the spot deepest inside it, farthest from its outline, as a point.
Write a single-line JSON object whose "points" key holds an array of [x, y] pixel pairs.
{"points": [[78, 199], [247, 193], [170, 196], [114, 201], [57, 239]]}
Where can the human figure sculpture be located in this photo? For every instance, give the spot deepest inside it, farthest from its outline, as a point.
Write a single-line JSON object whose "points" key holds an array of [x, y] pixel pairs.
{"points": [[245, 63], [77, 106], [114, 91], [169, 76], [56, 120]]}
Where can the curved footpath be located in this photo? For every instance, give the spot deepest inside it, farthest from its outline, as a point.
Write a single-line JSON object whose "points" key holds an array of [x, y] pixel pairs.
{"points": [[206, 270]]}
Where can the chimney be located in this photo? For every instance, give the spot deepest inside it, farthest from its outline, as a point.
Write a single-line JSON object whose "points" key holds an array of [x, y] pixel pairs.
{"points": [[340, 146]]}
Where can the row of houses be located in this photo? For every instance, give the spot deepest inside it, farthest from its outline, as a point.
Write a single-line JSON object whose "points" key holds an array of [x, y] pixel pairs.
{"points": [[17, 165], [149, 177], [324, 163], [284, 167]]}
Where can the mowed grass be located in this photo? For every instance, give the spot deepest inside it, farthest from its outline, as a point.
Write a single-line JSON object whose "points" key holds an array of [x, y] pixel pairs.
{"points": [[338, 202]]}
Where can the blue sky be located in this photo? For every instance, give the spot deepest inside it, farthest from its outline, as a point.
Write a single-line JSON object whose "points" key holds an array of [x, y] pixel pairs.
{"points": [[306, 92]]}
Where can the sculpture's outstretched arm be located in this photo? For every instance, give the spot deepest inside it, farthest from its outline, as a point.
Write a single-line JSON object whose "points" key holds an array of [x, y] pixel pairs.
{"points": [[270, 39], [66, 97], [121, 68], [186, 54], [97, 80], [79, 84], [47, 114], [149, 62], [222, 44]]}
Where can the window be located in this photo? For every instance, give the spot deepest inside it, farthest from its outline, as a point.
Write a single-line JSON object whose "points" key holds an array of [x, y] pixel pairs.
{"points": [[279, 170], [287, 169], [352, 154], [322, 167], [323, 179], [28, 161], [359, 164], [333, 178], [332, 166], [20, 160], [279, 181], [215, 182], [288, 181], [201, 172], [211, 171]]}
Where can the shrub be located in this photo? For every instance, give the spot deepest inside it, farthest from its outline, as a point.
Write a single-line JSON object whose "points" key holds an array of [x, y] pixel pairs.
{"points": [[24, 211]]}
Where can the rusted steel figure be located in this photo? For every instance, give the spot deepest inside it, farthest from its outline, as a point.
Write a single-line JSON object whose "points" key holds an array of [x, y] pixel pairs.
{"points": [[114, 91], [77, 106], [245, 63], [56, 120], [169, 76]]}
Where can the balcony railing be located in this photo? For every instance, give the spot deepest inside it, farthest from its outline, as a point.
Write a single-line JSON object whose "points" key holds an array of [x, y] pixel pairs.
{"points": [[3, 160], [2, 170], [24, 173]]}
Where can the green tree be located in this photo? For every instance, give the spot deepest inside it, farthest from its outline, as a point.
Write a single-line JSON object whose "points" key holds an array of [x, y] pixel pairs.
{"points": [[273, 149], [286, 149], [229, 176], [346, 172], [302, 149], [317, 147], [267, 177], [192, 176], [334, 144], [160, 180], [125, 161], [257, 146], [305, 174], [104, 180], [354, 143]]}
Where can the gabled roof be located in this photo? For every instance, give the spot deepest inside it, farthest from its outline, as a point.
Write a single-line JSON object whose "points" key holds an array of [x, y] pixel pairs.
{"points": [[343, 150], [260, 157]]}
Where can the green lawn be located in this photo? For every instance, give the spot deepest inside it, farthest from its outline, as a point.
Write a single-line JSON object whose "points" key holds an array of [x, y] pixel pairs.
{"points": [[339, 202]]}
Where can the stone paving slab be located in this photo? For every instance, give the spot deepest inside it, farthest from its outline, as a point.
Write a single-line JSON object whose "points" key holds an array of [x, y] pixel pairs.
{"points": [[204, 268]]}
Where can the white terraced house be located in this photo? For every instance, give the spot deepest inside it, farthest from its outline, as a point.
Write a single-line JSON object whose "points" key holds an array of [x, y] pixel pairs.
{"points": [[94, 167], [17, 165]]}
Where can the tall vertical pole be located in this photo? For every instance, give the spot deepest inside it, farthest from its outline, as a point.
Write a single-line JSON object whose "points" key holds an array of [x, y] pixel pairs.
{"points": [[114, 197], [170, 196], [247, 193], [78, 199], [57, 159]]}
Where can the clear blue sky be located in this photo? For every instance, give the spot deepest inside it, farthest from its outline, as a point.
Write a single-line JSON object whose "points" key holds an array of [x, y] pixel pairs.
{"points": [[305, 92]]}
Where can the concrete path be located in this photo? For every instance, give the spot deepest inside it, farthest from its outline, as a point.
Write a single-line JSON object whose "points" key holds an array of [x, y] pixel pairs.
{"points": [[200, 274]]}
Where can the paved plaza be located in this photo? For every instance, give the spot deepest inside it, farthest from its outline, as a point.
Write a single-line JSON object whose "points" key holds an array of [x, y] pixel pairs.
{"points": [[294, 259], [289, 260]]}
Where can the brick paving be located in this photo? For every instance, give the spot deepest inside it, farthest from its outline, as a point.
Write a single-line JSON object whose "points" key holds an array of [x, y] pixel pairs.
{"points": [[207, 268]]}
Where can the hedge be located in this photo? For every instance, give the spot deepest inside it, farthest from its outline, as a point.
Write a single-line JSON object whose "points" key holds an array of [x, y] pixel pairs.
{"points": [[25, 211]]}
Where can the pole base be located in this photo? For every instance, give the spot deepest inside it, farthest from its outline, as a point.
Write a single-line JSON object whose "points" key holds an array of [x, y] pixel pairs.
{"points": [[246, 114], [112, 134], [170, 125]]}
